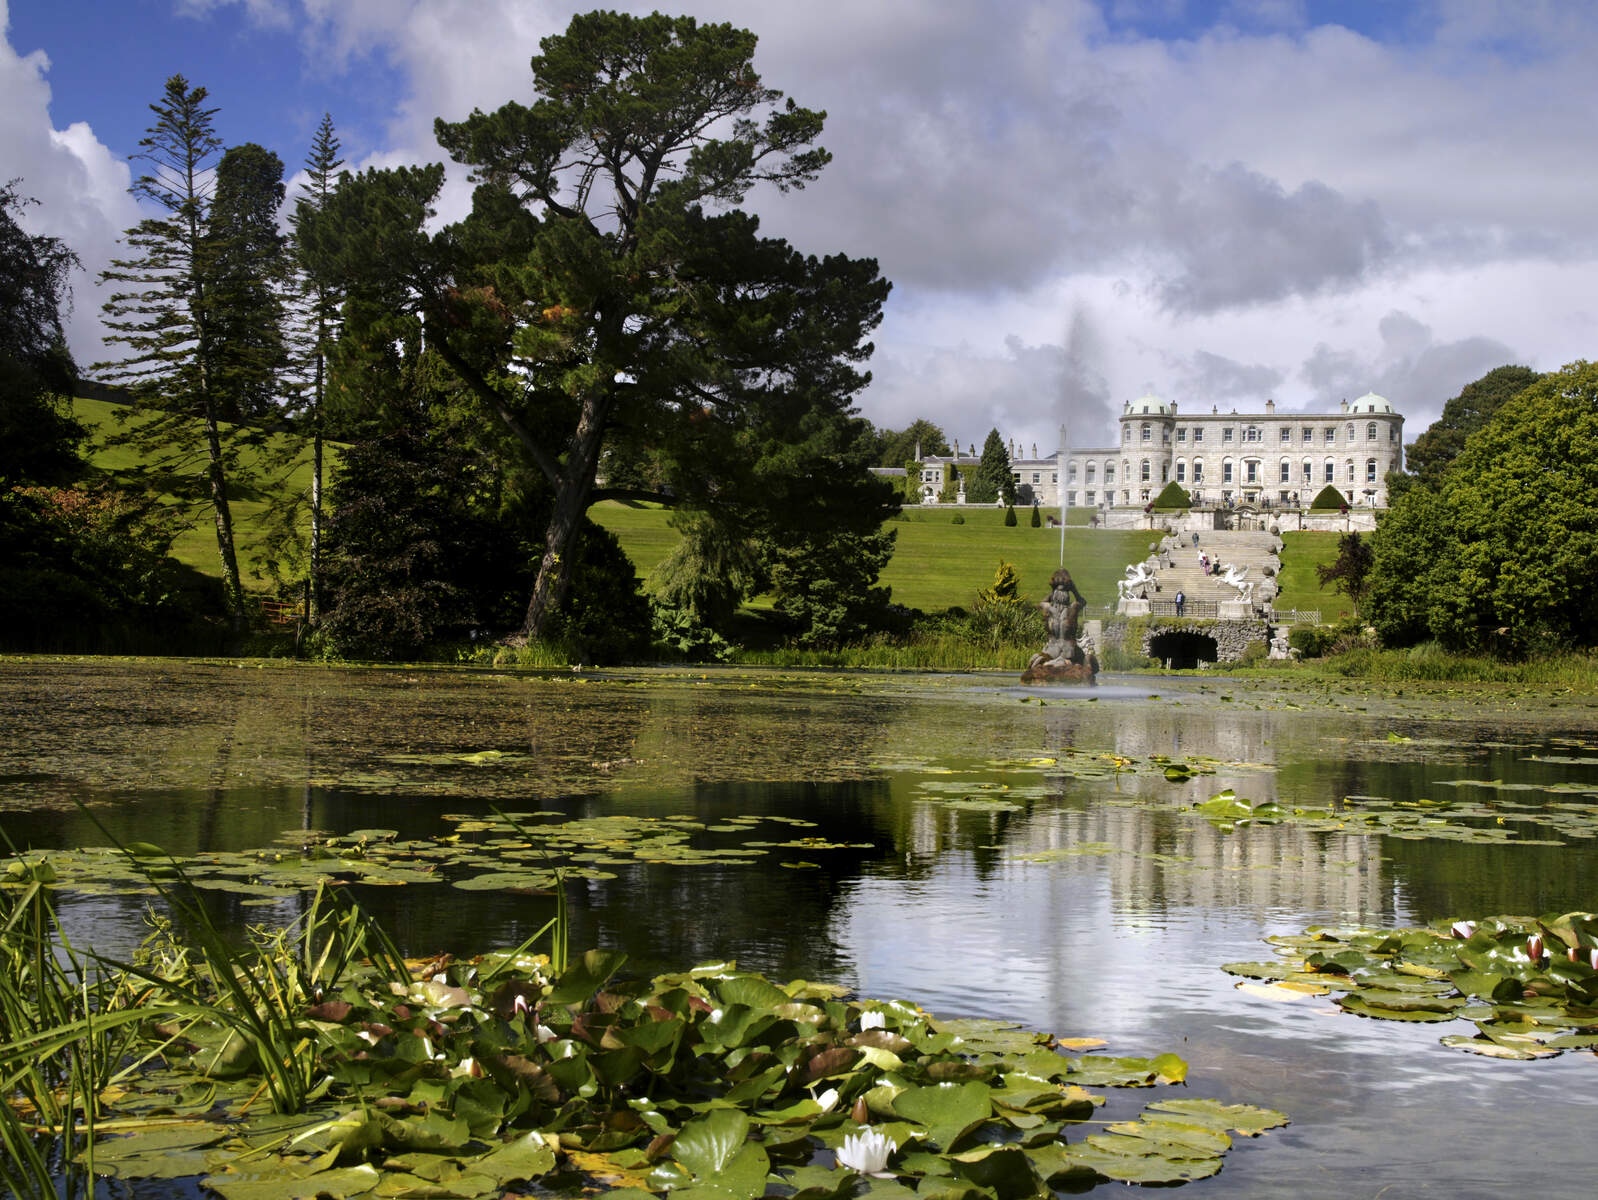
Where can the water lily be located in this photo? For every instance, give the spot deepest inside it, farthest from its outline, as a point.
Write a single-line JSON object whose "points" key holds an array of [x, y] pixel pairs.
{"points": [[1534, 948], [867, 1152], [873, 1020], [828, 1100], [1463, 929]]}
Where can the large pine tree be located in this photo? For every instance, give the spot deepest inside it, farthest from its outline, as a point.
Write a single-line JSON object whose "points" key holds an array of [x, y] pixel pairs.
{"points": [[163, 317], [319, 299]]}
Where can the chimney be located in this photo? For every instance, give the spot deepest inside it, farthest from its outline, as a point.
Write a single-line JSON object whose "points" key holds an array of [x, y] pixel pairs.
{"points": [[1270, 406]]}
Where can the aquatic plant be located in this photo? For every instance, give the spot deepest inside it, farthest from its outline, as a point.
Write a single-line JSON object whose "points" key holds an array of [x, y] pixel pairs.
{"points": [[1530, 984], [461, 1078]]}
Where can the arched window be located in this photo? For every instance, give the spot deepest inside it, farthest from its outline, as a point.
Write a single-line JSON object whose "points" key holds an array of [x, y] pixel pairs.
{"points": [[1144, 468], [1331, 471], [1226, 471], [1350, 466], [1370, 470], [1198, 470], [1146, 431], [1370, 432], [1181, 471], [1287, 471], [1109, 472], [1251, 470], [1309, 471], [1091, 469]]}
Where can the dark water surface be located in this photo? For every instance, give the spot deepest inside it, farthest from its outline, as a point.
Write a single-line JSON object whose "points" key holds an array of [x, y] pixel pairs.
{"points": [[996, 851]]}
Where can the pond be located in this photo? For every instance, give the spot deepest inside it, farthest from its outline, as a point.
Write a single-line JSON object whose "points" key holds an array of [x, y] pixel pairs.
{"points": [[959, 841]]}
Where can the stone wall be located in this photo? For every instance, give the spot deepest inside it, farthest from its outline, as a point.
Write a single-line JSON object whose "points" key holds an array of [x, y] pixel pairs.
{"points": [[1232, 638]]}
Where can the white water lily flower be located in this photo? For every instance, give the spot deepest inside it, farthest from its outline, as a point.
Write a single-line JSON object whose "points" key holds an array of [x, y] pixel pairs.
{"points": [[544, 1033], [828, 1100], [873, 1020], [867, 1152]]}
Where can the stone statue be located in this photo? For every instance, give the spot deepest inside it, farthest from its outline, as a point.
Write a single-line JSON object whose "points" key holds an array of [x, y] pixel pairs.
{"points": [[1135, 585], [1062, 660]]}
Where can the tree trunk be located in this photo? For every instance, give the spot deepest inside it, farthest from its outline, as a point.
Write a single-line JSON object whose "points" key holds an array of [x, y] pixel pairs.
{"points": [[571, 501], [231, 585]]}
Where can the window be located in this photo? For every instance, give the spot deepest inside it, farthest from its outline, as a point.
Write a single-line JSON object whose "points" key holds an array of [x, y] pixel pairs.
{"points": [[1144, 475], [1309, 471], [1054, 476], [1165, 472], [1350, 465], [1251, 433], [1226, 471], [1090, 496], [1370, 470], [1370, 432], [1198, 436], [1226, 434], [1307, 434], [1181, 472], [1331, 471], [1198, 470], [1181, 434], [1109, 472], [1090, 472], [1329, 435], [1287, 434], [1251, 470], [1351, 433], [1126, 433], [1287, 472], [1146, 433], [1392, 433], [1037, 477]]}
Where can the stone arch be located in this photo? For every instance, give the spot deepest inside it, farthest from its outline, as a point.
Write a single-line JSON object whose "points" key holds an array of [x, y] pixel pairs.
{"points": [[1183, 649]]}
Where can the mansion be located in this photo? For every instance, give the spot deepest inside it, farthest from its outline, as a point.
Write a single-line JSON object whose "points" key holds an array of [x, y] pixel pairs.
{"points": [[1259, 459]]}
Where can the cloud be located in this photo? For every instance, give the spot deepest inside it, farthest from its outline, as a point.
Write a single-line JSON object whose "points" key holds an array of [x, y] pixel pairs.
{"points": [[81, 188], [1240, 239], [1410, 366]]}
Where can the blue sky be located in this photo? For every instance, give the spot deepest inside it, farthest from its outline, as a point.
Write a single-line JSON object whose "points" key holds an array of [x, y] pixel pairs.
{"points": [[1078, 202]]}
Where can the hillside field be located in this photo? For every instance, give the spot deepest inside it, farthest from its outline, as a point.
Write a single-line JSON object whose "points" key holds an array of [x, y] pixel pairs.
{"points": [[936, 564]]}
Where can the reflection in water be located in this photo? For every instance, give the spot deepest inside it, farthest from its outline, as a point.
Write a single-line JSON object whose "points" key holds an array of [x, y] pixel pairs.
{"points": [[998, 862]]}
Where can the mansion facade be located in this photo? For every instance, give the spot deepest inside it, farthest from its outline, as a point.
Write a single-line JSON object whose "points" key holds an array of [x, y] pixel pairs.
{"points": [[1261, 459]]}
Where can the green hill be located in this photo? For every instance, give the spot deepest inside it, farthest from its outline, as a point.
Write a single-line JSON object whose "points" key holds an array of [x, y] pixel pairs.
{"points": [[937, 563], [264, 475]]}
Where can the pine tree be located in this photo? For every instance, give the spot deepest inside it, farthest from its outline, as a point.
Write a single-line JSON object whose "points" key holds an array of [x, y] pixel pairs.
{"points": [[164, 317], [320, 301], [244, 263], [993, 479]]}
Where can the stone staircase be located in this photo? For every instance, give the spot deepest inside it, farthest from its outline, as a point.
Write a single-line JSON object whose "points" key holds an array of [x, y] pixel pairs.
{"points": [[1175, 568]]}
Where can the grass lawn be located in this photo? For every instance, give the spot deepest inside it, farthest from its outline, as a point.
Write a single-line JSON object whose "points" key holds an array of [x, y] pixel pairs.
{"points": [[1301, 587], [937, 564], [260, 477]]}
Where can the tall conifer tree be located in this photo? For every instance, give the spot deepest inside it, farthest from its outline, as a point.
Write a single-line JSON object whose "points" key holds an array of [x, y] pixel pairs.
{"points": [[164, 318], [320, 299]]}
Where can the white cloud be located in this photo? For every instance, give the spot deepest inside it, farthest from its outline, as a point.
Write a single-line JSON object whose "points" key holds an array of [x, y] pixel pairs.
{"points": [[81, 188], [1074, 213]]}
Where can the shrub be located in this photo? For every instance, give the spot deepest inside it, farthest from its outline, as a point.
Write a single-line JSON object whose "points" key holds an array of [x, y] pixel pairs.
{"points": [[957, 519], [1009, 517], [1174, 495], [1311, 641], [1328, 498], [1037, 520]]}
